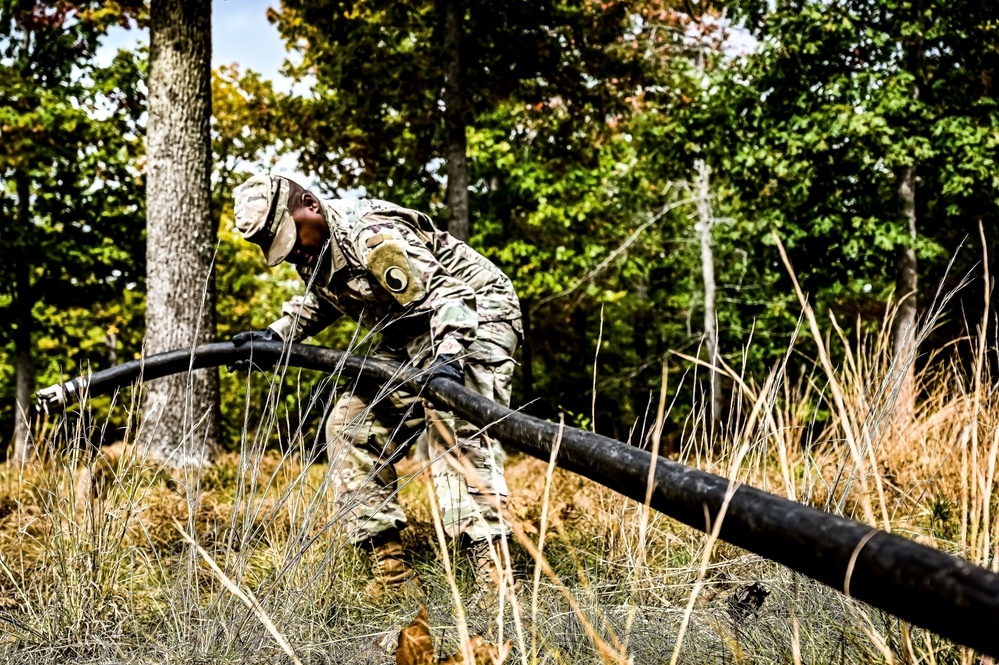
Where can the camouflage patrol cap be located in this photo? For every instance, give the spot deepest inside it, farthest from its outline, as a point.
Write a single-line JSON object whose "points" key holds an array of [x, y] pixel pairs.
{"points": [[262, 216]]}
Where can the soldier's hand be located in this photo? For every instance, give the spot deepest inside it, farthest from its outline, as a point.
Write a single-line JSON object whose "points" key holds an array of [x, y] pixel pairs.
{"points": [[445, 366], [248, 337]]}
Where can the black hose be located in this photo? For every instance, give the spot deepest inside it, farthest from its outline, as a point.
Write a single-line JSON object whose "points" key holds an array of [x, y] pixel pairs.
{"points": [[927, 587]]}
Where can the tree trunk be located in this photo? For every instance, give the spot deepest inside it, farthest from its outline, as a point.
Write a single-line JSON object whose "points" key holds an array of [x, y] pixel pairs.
{"points": [[906, 290], [704, 226], [180, 422], [907, 276], [22, 319], [527, 355], [640, 396], [454, 121]]}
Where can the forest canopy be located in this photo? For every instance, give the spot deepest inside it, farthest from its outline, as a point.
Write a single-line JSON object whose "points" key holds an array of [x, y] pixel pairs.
{"points": [[609, 145]]}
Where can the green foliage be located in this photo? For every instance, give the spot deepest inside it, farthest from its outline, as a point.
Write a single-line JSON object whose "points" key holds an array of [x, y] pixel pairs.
{"points": [[559, 205], [252, 127], [374, 119], [549, 196], [72, 191], [850, 93], [584, 124]]}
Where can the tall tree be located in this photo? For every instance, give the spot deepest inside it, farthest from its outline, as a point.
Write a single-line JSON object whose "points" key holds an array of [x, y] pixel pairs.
{"points": [[456, 119], [21, 306], [179, 413], [68, 143], [875, 145], [538, 82], [577, 228], [705, 224], [385, 70], [907, 266], [683, 127]]}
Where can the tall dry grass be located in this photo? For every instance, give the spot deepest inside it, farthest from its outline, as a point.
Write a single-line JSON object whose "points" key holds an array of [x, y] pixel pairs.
{"points": [[105, 558]]}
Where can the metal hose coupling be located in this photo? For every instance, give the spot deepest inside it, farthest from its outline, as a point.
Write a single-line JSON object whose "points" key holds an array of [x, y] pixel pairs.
{"points": [[57, 396]]}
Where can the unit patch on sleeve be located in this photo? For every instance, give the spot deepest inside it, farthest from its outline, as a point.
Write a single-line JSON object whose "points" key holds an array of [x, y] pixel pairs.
{"points": [[390, 265]]}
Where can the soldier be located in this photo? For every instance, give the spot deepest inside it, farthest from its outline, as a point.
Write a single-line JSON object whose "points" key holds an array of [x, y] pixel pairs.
{"points": [[438, 305]]}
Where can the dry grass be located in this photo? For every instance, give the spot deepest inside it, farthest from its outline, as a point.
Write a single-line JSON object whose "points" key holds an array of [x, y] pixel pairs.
{"points": [[104, 559]]}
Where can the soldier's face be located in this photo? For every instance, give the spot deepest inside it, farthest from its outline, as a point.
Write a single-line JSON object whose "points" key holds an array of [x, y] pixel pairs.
{"points": [[313, 232]]}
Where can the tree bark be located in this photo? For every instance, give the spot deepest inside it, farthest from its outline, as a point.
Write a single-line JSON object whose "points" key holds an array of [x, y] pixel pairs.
{"points": [[179, 414], [640, 396], [906, 290], [704, 225], [22, 319], [527, 355], [454, 121], [907, 274]]}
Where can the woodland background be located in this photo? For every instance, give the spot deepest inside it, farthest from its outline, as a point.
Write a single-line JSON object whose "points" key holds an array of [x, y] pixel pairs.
{"points": [[799, 193], [612, 150]]}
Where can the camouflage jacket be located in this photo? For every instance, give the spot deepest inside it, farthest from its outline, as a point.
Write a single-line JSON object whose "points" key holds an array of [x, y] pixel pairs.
{"points": [[395, 273]]}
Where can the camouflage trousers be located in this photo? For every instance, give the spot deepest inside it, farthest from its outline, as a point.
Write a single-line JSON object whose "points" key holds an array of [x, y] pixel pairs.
{"points": [[367, 436]]}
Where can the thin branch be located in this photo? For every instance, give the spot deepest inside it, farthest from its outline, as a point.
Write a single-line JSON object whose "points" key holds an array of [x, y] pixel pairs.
{"points": [[621, 249]]}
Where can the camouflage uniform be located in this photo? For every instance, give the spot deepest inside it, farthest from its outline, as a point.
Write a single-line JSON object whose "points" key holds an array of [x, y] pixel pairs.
{"points": [[428, 295]]}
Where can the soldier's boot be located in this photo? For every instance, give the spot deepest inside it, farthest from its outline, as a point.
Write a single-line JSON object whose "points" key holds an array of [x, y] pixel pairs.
{"points": [[492, 570], [392, 576]]}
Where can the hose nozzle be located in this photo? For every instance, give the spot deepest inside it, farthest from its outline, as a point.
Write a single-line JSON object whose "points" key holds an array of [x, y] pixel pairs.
{"points": [[57, 396]]}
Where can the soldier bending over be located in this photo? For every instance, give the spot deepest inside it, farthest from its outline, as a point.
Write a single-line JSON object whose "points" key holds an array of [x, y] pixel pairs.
{"points": [[440, 306]]}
